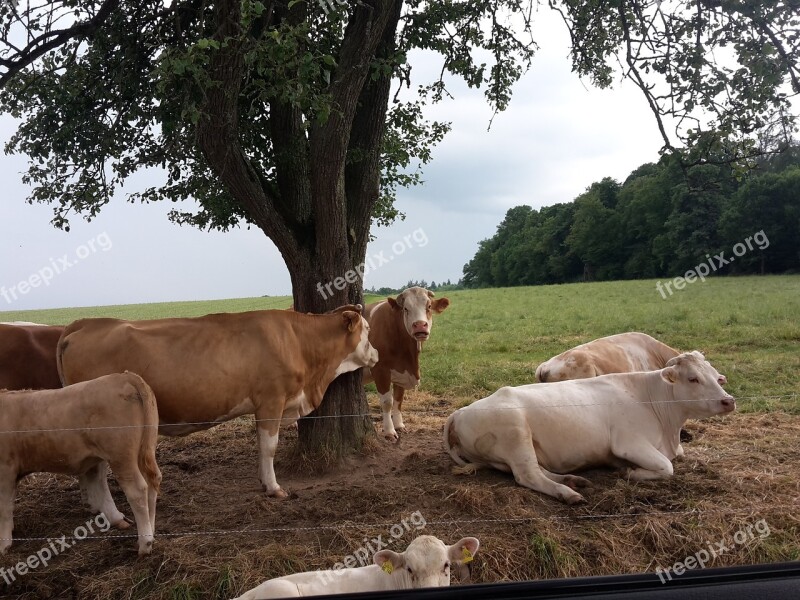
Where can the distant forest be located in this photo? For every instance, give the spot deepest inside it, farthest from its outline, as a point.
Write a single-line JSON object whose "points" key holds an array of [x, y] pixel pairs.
{"points": [[661, 222]]}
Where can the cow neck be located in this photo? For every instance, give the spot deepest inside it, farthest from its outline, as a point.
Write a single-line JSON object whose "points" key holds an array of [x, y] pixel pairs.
{"points": [[322, 351], [670, 414]]}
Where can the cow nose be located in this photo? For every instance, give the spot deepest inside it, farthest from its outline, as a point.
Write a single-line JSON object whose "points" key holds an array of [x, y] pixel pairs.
{"points": [[728, 403], [420, 326]]}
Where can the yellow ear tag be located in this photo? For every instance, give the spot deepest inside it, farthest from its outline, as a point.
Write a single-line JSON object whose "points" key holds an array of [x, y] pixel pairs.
{"points": [[467, 555], [388, 567]]}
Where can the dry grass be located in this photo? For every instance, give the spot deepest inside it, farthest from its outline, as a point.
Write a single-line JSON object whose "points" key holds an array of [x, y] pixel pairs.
{"points": [[737, 471]]}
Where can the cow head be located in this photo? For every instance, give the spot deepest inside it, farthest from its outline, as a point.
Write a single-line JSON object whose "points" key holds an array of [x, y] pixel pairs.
{"points": [[426, 562], [418, 305], [364, 354], [697, 382]]}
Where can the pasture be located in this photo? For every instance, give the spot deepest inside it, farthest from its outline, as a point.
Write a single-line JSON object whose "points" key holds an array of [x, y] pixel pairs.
{"points": [[217, 535]]}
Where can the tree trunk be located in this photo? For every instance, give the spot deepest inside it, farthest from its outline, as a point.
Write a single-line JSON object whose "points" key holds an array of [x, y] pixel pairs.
{"points": [[341, 424]]}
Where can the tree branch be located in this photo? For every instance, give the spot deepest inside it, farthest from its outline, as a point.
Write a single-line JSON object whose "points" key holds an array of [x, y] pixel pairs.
{"points": [[38, 47], [218, 130]]}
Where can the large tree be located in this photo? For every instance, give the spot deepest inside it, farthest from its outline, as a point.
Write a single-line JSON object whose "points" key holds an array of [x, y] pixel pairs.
{"points": [[280, 113]]}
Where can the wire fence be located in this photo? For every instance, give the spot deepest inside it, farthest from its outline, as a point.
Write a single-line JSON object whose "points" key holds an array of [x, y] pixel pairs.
{"points": [[433, 412], [440, 523]]}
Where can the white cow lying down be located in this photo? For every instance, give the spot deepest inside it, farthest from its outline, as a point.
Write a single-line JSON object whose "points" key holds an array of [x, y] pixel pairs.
{"points": [[425, 563], [542, 431], [72, 430]]}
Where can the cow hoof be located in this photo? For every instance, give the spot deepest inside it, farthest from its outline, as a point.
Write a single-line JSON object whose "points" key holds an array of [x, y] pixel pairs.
{"points": [[279, 494], [391, 437], [575, 482], [123, 523], [576, 499], [146, 549]]}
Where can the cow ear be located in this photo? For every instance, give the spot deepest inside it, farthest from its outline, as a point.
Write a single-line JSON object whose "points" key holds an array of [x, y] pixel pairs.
{"points": [[351, 319], [393, 303], [464, 550], [389, 561], [440, 305], [669, 374]]}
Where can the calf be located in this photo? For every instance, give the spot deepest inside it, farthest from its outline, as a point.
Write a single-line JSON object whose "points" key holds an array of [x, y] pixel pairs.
{"points": [[399, 326], [28, 357], [73, 431], [542, 432], [425, 563]]}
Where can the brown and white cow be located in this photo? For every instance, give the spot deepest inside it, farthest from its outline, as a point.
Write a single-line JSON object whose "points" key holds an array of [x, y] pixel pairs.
{"points": [[399, 326], [75, 431], [543, 431], [425, 563], [28, 357], [275, 364], [620, 353]]}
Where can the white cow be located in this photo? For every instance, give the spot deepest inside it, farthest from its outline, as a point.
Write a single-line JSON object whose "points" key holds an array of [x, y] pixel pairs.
{"points": [[18, 323], [541, 432], [425, 563]]}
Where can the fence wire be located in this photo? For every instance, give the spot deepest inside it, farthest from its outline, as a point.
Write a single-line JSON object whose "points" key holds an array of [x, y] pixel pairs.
{"points": [[434, 412]]}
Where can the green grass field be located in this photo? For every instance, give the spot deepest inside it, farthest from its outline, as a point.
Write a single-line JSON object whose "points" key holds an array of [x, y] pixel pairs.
{"points": [[749, 327]]}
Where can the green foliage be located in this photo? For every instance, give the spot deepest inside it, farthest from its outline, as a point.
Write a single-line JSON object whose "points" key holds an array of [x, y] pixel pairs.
{"points": [[97, 108], [661, 222]]}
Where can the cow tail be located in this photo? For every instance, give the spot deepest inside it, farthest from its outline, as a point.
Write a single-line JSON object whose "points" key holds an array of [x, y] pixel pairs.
{"points": [[147, 447], [451, 445]]}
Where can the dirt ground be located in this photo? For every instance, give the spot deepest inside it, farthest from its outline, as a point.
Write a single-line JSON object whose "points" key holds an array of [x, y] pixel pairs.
{"points": [[217, 535]]}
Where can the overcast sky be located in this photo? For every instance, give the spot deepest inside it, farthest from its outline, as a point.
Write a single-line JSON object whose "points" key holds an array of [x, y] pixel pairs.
{"points": [[558, 137]]}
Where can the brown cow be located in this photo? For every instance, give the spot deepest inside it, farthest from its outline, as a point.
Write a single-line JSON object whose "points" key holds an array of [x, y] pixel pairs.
{"points": [[275, 364], [399, 327], [77, 430], [28, 357]]}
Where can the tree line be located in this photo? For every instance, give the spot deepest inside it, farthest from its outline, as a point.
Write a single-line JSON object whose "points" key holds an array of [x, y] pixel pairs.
{"points": [[663, 220]]}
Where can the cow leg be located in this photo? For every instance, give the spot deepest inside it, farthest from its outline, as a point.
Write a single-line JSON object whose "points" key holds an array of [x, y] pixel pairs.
{"points": [[572, 481], [136, 491], [518, 452], [651, 463], [268, 429], [8, 489], [397, 405], [151, 507], [95, 492]]}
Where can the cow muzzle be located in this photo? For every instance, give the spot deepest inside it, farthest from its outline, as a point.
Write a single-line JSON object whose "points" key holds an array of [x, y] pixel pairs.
{"points": [[728, 404]]}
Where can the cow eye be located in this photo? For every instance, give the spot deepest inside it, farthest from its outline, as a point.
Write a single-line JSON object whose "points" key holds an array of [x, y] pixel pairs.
{"points": [[693, 379], [410, 572]]}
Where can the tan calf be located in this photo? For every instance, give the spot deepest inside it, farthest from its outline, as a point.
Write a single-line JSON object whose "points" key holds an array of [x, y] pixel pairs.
{"points": [[76, 431]]}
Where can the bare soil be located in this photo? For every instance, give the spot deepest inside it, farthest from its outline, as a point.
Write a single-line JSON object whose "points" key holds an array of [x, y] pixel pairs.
{"points": [[218, 535]]}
